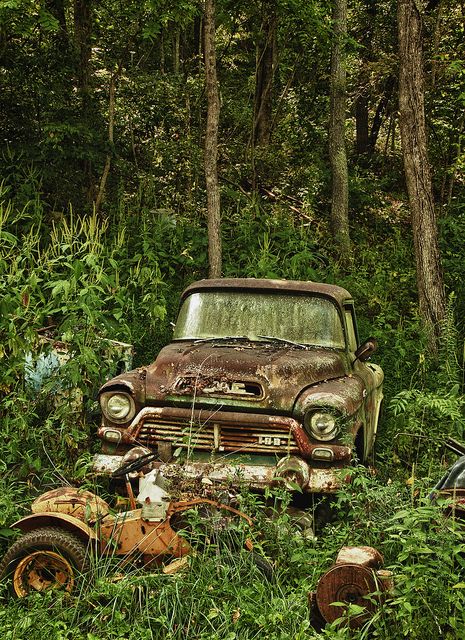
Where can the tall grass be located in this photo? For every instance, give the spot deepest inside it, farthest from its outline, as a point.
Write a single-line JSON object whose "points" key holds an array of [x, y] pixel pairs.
{"points": [[97, 279]]}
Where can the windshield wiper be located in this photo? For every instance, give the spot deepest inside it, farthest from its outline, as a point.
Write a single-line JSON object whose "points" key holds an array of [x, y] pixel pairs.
{"points": [[284, 341], [223, 338]]}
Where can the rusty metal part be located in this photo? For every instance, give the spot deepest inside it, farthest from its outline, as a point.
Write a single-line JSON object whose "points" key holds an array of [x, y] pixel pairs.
{"points": [[355, 579], [223, 432], [279, 371], [134, 454], [208, 430], [350, 584], [128, 533], [364, 556], [455, 505], [84, 505], [176, 507], [321, 480], [130, 492], [293, 472], [55, 519], [42, 570], [198, 384], [338, 294], [345, 395]]}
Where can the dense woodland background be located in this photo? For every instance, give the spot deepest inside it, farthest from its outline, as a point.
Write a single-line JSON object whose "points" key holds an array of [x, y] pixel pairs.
{"points": [[318, 172]]}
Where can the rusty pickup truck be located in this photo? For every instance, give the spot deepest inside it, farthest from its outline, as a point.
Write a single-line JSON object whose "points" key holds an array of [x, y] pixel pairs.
{"points": [[265, 382]]}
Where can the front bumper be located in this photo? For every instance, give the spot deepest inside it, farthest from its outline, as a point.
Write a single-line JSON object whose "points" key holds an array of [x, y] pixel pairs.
{"points": [[289, 471]]}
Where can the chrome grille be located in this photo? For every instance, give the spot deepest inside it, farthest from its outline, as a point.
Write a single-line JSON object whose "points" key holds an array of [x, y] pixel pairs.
{"points": [[217, 436]]}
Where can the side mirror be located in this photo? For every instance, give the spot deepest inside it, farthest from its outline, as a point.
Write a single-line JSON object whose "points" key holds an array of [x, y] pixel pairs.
{"points": [[366, 349]]}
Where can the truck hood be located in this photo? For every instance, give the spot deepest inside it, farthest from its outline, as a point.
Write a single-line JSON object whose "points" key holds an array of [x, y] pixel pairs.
{"points": [[239, 374]]}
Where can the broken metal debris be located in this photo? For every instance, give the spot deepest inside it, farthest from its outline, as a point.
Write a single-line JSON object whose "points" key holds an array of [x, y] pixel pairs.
{"points": [[356, 579], [65, 520]]}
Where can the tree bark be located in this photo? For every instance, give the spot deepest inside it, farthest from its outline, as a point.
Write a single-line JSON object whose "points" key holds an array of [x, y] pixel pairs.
{"points": [[176, 50], [380, 113], [264, 75], [417, 169], [111, 122], [211, 144], [337, 147]]}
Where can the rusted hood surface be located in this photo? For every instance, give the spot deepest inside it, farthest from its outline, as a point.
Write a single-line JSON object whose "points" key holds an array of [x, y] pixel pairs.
{"points": [[250, 373]]}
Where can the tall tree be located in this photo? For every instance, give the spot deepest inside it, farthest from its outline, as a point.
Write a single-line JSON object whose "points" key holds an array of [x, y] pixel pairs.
{"points": [[417, 168], [264, 74], [337, 145], [83, 33], [211, 144]]}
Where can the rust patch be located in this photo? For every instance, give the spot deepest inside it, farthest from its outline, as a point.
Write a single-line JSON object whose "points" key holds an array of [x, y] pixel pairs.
{"points": [[337, 294], [84, 505]]}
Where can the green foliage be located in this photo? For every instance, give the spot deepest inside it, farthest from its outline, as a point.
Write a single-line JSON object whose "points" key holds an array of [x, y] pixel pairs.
{"points": [[118, 276], [424, 420], [74, 279], [428, 557], [222, 594]]}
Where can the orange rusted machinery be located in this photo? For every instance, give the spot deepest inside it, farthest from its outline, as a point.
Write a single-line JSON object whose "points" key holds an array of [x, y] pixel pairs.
{"points": [[355, 579], [68, 525]]}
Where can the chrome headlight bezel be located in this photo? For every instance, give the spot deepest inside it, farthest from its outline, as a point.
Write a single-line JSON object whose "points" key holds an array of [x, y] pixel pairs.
{"points": [[127, 409], [322, 424]]}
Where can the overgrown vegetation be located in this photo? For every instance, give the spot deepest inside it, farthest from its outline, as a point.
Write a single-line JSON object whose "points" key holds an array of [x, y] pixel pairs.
{"points": [[95, 281], [116, 275]]}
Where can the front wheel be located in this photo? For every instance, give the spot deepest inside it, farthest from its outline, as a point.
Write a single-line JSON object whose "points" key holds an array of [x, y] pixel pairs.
{"points": [[42, 559]]}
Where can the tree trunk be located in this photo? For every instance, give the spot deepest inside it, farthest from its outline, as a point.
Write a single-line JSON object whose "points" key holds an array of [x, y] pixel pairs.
{"points": [[83, 45], [264, 75], [211, 143], [361, 124], [162, 51], [111, 122], [337, 148], [367, 12], [381, 111], [57, 9], [417, 169], [176, 50], [83, 33]]}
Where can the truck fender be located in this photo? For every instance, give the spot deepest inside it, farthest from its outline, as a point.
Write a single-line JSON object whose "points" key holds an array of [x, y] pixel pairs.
{"points": [[343, 394]]}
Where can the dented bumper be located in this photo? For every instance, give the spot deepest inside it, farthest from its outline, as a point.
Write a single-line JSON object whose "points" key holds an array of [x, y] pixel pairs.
{"points": [[288, 471]]}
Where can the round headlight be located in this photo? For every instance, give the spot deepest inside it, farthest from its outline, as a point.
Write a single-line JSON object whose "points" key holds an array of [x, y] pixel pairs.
{"points": [[322, 426], [118, 407]]}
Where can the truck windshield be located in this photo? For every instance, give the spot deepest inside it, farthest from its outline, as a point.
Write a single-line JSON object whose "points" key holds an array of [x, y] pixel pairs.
{"points": [[309, 320]]}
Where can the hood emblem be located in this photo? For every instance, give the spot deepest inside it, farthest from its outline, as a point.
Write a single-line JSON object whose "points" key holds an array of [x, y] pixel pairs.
{"points": [[202, 385], [233, 388]]}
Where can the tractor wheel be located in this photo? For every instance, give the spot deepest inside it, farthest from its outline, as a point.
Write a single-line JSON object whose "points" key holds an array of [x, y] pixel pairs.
{"points": [[42, 559]]}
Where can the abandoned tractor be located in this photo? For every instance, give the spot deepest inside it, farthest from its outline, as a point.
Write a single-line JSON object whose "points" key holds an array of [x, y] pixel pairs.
{"points": [[264, 382], [68, 527]]}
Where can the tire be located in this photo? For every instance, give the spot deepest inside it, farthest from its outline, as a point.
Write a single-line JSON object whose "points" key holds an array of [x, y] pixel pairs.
{"points": [[263, 565], [42, 559]]}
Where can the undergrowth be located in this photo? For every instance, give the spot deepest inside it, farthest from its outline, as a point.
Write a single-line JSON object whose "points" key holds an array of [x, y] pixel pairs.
{"points": [[85, 280]]}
